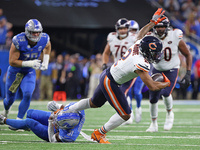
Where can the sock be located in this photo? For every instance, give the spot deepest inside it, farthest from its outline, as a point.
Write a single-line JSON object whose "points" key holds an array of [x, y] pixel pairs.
{"points": [[168, 101], [81, 105], [129, 101], [138, 99], [115, 121], [154, 111], [18, 124]]}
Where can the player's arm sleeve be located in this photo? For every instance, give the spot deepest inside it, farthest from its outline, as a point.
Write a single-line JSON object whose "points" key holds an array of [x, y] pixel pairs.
{"points": [[143, 67], [51, 135], [179, 35]]}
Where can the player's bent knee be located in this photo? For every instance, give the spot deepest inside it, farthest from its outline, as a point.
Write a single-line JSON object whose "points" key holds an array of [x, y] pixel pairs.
{"points": [[29, 113], [29, 122], [27, 95], [152, 101], [126, 117]]}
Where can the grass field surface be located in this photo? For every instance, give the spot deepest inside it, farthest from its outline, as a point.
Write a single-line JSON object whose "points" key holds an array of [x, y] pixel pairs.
{"points": [[185, 134]]}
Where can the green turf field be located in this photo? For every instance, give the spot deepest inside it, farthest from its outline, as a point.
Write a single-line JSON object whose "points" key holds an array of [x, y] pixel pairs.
{"points": [[185, 135]]}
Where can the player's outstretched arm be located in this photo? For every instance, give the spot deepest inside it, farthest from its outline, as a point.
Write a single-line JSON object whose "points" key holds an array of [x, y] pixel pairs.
{"points": [[157, 17], [186, 81], [46, 53], [152, 85], [105, 56], [52, 137]]}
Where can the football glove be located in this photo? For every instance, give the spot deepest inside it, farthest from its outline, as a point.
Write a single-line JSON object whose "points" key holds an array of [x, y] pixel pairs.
{"points": [[35, 64], [53, 106], [157, 17], [104, 66], [166, 79], [186, 81]]}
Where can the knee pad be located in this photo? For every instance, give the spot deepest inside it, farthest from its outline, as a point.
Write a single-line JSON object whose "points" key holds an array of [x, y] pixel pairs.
{"points": [[27, 95]]}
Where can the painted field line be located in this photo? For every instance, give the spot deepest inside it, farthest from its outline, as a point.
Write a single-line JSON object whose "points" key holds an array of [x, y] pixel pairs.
{"points": [[153, 137], [76, 143], [128, 131]]}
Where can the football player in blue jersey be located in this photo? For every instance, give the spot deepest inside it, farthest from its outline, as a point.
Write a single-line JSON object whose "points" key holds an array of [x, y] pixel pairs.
{"points": [[23, 59], [59, 125]]}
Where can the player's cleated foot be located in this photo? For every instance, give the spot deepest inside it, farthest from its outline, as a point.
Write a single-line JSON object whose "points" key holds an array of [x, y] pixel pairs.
{"points": [[130, 120], [100, 138], [138, 114], [20, 130], [169, 121], [2, 118], [153, 127], [5, 113]]}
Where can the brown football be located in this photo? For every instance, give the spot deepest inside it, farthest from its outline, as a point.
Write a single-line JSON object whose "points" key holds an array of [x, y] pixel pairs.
{"points": [[157, 77]]}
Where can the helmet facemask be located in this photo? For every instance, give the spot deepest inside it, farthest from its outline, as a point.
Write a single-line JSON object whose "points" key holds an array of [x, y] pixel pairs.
{"points": [[164, 23], [33, 26]]}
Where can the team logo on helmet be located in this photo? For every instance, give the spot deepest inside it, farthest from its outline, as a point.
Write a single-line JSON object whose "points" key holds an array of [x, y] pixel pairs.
{"points": [[152, 46]]}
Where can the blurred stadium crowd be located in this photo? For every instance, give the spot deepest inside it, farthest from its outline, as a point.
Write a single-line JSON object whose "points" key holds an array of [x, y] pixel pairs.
{"points": [[77, 75]]}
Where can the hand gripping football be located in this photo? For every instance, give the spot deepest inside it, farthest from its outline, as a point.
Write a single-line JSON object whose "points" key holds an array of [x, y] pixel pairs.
{"points": [[157, 77]]}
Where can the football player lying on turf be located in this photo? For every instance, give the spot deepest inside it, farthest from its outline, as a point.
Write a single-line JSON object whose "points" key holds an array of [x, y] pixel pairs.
{"points": [[134, 63], [59, 125]]}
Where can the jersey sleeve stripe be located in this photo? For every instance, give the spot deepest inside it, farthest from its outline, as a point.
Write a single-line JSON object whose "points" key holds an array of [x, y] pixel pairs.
{"points": [[142, 68]]}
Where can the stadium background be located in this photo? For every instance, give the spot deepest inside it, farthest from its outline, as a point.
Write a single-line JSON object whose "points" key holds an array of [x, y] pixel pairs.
{"points": [[77, 26]]}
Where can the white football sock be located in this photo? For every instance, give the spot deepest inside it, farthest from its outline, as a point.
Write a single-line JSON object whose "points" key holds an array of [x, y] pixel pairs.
{"points": [[154, 111], [168, 101], [81, 105], [114, 121]]}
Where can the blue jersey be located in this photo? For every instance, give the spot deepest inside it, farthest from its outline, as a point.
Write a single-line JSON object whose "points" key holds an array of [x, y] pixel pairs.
{"points": [[26, 51], [72, 134]]}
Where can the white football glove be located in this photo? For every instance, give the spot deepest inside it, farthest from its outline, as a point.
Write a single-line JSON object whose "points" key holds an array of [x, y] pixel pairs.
{"points": [[44, 66], [35, 64], [53, 106]]}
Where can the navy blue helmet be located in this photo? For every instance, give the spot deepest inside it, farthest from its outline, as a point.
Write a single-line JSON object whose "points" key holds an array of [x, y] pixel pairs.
{"points": [[151, 49], [164, 23]]}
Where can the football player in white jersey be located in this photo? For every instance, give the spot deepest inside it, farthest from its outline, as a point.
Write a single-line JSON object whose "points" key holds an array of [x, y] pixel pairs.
{"points": [[134, 63], [169, 65], [118, 43]]}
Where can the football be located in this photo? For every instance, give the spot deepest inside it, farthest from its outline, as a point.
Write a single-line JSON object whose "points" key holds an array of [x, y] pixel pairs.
{"points": [[157, 77]]}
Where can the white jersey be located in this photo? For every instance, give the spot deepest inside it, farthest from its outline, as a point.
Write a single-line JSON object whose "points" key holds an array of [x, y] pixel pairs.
{"points": [[119, 47], [170, 58], [124, 69]]}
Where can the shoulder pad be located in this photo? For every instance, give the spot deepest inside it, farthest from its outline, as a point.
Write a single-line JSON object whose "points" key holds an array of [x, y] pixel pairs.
{"points": [[18, 40], [178, 33], [111, 36]]}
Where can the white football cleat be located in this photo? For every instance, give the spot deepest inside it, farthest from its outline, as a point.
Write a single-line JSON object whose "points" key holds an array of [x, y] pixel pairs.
{"points": [[169, 121], [153, 127], [2, 118], [138, 114], [130, 120]]}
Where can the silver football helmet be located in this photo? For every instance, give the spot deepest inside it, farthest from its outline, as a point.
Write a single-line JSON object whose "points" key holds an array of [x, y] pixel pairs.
{"points": [[33, 25], [67, 119], [133, 25]]}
